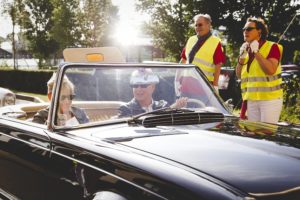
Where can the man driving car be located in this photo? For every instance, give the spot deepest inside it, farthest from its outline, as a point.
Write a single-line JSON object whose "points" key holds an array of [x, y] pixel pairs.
{"points": [[143, 83]]}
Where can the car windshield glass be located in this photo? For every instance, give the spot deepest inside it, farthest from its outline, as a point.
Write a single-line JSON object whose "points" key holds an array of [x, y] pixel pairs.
{"points": [[102, 93]]}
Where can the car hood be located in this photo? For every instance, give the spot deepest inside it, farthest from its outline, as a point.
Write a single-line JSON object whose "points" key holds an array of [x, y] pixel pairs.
{"points": [[255, 158]]}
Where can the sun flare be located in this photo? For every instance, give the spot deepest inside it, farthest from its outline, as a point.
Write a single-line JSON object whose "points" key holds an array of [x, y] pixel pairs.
{"points": [[126, 34]]}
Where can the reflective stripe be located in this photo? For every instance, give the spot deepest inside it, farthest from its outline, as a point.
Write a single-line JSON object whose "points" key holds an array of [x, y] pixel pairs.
{"points": [[262, 89], [203, 62], [208, 73], [261, 79]]}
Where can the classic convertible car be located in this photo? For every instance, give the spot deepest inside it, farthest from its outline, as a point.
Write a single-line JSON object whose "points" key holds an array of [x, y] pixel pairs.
{"points": [[126, 151]]}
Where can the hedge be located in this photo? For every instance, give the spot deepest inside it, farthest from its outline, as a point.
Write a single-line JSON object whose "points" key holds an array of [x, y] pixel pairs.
{"points": [[25, 80]]}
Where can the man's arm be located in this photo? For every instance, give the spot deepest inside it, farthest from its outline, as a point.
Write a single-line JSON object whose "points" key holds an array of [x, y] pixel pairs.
{"points": [[183, 57], [217, 74], [41, 116], [219, 60], [180, 103], [182, 61]]}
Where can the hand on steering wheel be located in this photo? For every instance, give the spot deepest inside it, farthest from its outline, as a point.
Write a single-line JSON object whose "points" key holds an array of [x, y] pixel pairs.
{"points": [[197, 102]]}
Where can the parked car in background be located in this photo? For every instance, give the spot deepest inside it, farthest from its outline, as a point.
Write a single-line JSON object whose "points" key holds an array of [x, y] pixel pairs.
{"points": [[200, 151], [229, 87], [229, 84], [7, 97], [290, 72]]}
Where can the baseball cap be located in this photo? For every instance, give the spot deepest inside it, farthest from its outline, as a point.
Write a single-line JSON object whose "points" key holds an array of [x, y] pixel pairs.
{"points": [[143, 76]]}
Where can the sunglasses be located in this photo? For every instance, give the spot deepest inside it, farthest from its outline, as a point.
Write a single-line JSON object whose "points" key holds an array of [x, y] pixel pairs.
{"points": [[140, 85], [198, 25], [69, 97], [249, 28]]}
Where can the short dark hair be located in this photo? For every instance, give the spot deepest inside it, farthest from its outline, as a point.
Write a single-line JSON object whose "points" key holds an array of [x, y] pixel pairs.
{"points": [[260, 24]]}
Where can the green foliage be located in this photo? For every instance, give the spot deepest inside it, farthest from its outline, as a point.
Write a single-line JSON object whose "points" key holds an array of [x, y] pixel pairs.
{"points": [[169, 24], [296, 58], [37, 23], [93, 21], [291, 100], [65, 24], [12, 8], [170, 21], [52, 25]]}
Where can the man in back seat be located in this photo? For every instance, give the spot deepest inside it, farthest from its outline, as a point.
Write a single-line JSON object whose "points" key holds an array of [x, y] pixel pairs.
{"points": [[67, 114]]}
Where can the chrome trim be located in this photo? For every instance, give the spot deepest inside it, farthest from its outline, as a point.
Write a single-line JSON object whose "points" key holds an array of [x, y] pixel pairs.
{"points": [[110, 174]]}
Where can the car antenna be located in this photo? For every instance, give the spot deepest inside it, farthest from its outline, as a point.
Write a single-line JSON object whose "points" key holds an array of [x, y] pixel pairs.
{"points": [[288, 26]]}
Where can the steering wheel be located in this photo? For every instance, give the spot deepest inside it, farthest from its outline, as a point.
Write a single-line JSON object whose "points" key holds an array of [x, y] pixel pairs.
{"points": [[196, 101]]}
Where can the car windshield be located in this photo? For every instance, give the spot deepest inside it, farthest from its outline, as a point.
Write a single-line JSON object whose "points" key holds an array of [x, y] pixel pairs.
{"points": [[100, 93]]}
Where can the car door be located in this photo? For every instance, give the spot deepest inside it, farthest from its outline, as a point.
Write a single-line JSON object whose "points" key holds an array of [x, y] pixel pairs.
{"points": [[84, 174], [24, 154]]}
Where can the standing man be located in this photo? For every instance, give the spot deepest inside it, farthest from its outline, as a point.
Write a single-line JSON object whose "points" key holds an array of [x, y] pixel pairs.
{"points": [[204, 49], [260, 72]]}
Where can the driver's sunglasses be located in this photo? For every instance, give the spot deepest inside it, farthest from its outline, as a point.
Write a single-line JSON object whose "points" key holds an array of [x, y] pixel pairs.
{"points": [[249, 28], [198, 25], [69, 97], [140, 85]]}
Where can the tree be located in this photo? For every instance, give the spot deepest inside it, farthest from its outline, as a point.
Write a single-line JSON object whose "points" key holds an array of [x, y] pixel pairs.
{"points": [[12, 8], [170, 21], [93, 21], [277, 14], [37, 23], [65, 29], [169, 24], [112, 20]]}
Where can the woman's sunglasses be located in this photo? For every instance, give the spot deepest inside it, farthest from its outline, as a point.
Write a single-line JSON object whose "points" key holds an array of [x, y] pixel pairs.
{"points": [[69, 97], [249, 28]]}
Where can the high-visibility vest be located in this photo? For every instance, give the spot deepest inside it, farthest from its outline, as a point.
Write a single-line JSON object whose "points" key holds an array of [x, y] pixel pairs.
{"points": [[255, 84], [257, 128], [204, 58]]}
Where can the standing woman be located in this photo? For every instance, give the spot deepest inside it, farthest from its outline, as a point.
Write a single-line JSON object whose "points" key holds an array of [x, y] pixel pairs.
{"points": [[260, 72]]}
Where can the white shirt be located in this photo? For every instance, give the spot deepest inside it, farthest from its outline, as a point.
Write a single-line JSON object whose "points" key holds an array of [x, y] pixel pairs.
{"points": [[149, 108]]}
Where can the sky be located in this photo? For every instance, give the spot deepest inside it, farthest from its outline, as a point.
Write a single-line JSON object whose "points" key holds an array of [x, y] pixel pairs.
{"points": [[130, 21]]}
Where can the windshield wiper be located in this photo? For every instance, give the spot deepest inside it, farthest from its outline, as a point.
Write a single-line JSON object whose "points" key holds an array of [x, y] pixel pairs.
{"points": [[164, 110], [171, 116]]}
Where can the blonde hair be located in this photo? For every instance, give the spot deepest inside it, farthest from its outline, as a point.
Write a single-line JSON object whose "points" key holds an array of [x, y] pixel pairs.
{"points": [[65, 84]]}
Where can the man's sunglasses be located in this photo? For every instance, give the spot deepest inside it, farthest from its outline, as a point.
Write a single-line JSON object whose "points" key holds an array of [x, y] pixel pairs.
{"points": [[140, 85], [69, 97], [249, 28], [198, 25]]}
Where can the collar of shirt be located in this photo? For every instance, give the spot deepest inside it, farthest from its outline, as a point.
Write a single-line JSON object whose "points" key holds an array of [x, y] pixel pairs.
{"points": [[149, 108]]}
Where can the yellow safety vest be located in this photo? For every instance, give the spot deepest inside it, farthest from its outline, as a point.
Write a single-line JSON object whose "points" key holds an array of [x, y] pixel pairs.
{"points": [[255, 84], [204, 58], [257, 128]]}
